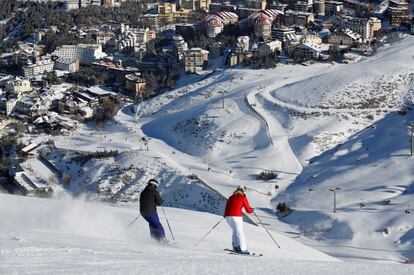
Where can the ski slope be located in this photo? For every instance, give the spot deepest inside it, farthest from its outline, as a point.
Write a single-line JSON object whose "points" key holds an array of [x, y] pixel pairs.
{"points": [[272, 120], [371, 167], [50, 236], [72, 237]]}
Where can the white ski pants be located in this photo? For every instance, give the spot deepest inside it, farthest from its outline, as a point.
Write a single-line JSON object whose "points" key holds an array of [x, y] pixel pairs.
{"points": [[238, 238]]}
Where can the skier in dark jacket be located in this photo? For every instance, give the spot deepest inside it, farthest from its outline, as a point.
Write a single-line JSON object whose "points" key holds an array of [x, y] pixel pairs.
{"points": [[149, 200]]}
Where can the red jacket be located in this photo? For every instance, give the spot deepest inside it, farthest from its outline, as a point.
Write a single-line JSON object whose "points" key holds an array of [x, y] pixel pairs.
{"points": [[235, 205]]}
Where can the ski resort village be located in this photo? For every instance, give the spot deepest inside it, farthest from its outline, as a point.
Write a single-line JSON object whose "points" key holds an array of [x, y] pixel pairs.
{"points": [[207, 137]]}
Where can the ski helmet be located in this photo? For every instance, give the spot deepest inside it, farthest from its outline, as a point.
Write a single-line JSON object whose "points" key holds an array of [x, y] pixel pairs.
{"points": [[242, 188], [153, 181]]}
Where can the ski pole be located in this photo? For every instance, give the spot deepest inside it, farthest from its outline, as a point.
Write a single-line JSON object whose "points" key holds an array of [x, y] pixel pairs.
{"points": [[168, 223], [266, 230], [133, 221], [209, 231]]}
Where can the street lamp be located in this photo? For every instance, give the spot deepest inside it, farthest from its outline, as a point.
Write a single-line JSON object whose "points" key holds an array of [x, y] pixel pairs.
{"points": [[222, 98], [334, 192], [410, 127]]}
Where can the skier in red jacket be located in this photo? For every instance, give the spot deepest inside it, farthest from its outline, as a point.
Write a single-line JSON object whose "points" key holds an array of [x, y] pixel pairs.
{"points": [[234, 218]]}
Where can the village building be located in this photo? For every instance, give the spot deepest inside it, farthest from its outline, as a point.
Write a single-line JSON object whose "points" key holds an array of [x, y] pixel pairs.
{"points": [[71, 66], [270, 47], [311, 38], [40, 67], [319, 7], [179, 46], [85, 53], [151, 20], [215, 23], [136, 85], [307, 51], [93, 95], [195, 5], [241, 52], [106, 39], [262, 21], [345, 37], [302, 5], [398, 12], [297, 18], [333, 8], [31, 106], [195, 59], [133, 38], [167, 13], [8, 101], [284, 35], [256, 4], [71, 4], [366, 27], [18, 85]]}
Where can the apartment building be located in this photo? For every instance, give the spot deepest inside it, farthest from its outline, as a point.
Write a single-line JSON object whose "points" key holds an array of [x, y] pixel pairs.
{"points": [[398, 12], [366, 27], [195, 59], [85, 53], [38, 68], [71, 66]]}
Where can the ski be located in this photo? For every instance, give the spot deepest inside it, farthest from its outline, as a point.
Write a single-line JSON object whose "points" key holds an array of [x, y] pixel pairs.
{"points": [[231, 252], [169, 244], [406, 261]]}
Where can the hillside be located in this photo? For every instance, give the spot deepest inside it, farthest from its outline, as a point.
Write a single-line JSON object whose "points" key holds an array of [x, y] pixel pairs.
{"points": [[72, 237], [372, 167], [273, 120], [48, 236]]}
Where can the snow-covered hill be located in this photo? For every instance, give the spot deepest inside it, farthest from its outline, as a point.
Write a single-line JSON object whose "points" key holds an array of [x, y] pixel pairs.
{"points": [[72, 237], [372, 167], [272, 120], [51, 236]]}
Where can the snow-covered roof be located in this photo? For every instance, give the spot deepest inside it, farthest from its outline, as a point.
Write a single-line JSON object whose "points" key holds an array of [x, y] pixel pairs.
{"points": [[29, 148], [352, 34], [268, 14], [222, 16], [100, 91]]}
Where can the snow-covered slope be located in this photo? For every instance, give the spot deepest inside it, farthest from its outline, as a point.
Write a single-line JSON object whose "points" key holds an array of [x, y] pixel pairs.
{"points": [[71, 236], [372, 167], [273, 120]]}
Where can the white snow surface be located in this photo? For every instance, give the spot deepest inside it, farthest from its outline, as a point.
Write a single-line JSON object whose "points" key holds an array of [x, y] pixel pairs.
{"points": [[70, 236], [277, 120], [43, 236]]}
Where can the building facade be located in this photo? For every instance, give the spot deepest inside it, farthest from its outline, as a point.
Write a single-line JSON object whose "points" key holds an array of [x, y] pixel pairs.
{"points": [[345, 37], [18, 85], [297, 18], [85, 53], [270, 47], [195, 59], [366, 27], [398, 12], [71, 66], [333, 8], [215, 23], [38, 68], [136, 85], [262, 21], [195, 5]]}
